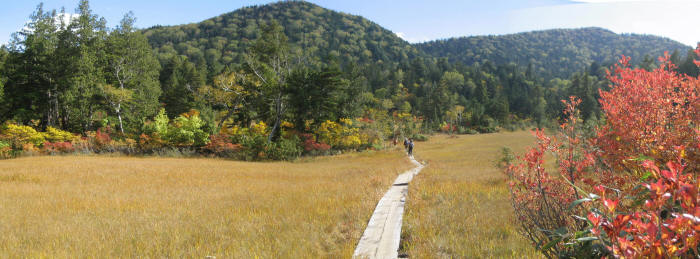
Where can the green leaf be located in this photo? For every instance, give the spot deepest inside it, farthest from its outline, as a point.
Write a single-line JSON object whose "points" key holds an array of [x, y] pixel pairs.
{"points": [[577, 202], [551, 243], [561, 231], [584, 239], [642, 158], [579, 234]]}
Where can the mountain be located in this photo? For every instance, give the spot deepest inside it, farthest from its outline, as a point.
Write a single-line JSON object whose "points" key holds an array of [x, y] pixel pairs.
{"points": [[324, 34], [312, 30], [553, 53]]}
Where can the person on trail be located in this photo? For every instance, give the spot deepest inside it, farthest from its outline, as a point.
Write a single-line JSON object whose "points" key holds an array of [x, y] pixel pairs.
{"points": [[410, 147], [405, 144]]}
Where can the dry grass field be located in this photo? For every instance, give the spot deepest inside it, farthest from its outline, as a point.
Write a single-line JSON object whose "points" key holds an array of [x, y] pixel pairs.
{"points": [[96, 207], [458, 206]]}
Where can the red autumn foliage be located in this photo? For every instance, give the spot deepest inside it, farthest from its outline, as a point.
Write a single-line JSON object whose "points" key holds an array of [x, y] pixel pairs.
{"points": [[541, 198], [448, 127], [632, 207], [221, 145], [666, 225], [311, 145], [59, 147], [649, 113], [102, 137]]}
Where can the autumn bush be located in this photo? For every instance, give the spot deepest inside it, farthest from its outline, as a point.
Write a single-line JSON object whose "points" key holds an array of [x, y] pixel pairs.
{"points": [[406, 124], [220, 145], [6, 150], [340, 135], [56, 135], [58, 147], [189, 135], [20, 135], [185, 131], [313, 147], [627, 189]]}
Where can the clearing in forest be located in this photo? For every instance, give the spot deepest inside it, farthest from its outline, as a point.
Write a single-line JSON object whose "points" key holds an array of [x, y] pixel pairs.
{"points": [[98, 206], [92, 206]]}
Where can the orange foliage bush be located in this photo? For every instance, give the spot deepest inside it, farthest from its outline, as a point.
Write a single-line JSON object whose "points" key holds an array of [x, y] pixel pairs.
{"points": [[611, 196]]}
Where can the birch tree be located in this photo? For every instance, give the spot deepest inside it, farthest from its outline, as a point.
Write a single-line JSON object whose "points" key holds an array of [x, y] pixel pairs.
{"points": [[134, 71], [269, 60]]}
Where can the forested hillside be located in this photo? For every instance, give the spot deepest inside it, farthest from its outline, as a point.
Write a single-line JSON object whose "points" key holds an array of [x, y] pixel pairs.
{"points": [[553, 53], [314, 32]]}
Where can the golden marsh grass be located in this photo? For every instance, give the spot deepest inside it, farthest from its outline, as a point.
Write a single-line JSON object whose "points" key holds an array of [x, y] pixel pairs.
{"points": [[458, 207], [92, 206]]}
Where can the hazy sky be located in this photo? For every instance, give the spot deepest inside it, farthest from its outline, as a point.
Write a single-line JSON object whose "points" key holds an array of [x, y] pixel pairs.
{"points": [[417, 20]]}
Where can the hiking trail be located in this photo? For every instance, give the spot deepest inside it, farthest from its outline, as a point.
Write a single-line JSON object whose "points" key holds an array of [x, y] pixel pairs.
{"points": [[383, 233]]}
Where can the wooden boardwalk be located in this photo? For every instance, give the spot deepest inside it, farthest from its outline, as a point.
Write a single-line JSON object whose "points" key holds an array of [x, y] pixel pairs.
{"points": [[383, 233]]}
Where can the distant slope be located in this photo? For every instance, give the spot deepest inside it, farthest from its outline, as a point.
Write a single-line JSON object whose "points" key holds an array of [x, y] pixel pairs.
{"points": [[320, 32], [324, 34], [558, 52]]}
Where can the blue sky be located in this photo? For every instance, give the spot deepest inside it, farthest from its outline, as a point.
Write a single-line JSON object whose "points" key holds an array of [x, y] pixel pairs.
{"points": [[417, 20]]}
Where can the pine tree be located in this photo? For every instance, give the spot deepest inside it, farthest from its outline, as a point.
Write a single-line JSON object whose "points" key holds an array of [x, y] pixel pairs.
{"points": [[180, 80], [32, 70], [81, 97]]}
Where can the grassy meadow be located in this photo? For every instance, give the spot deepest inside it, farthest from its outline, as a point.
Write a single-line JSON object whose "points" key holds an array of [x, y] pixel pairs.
{"points": [[458, 207], [93, 206]]}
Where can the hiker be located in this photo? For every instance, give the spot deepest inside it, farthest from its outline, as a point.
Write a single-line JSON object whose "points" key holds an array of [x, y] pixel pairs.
{"points": [[405, 144], [410, 147]]}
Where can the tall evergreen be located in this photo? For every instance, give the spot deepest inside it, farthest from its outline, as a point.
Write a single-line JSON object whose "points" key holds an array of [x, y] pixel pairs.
{"points": [[88, 46], [180, 80]]}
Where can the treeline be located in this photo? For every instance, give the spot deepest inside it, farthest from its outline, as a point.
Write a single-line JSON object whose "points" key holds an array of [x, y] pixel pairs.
{"points": [[106, 85], [72, 75]]}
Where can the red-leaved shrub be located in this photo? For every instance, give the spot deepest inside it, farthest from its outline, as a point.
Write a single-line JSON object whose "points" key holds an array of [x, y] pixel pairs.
{"points": [[310, 144], [58, 147], [102, 138], [220, 145], [610, 196]]}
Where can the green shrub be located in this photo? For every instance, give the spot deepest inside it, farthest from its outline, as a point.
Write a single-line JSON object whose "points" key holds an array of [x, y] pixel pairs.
{"points": [[506, 157], [256, 148], [6, 150], [253, 147], [420, 137], [469, 131], [284, 149], [187, 131]]}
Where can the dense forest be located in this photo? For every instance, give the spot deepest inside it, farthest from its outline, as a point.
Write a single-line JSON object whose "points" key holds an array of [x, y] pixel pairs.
{"points": [[522, 74], [554, 53], [313, 32], [291, 77]]}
